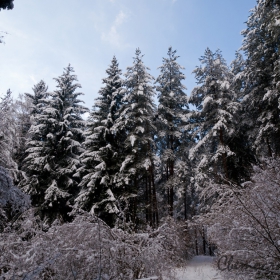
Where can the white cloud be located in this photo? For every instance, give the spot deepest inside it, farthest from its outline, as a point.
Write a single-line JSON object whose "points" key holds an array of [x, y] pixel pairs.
{"points": [[113, 36], [120, 18]]}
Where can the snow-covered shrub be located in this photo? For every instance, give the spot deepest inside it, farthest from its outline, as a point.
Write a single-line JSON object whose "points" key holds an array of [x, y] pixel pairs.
{"points": [[246, 227], [12, 200], [89, 249]]}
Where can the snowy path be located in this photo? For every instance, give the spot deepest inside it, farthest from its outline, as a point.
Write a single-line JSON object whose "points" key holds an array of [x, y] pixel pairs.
{"points": [[199, 268]]}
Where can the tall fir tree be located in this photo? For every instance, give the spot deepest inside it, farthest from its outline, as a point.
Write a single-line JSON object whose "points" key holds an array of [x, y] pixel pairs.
{"points": [[172, 112], [38, 101], [240, 165], [103, 151], [8, 134], [23, 123], [54, 149], [27, 106], [136, 119], [213, 123], [261, 94]]}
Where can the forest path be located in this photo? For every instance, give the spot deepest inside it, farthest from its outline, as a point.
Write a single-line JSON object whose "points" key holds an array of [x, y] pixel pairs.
{"points": [[199, 268]]}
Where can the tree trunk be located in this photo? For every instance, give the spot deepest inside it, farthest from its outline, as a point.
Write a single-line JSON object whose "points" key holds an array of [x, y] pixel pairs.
{"points": [[196, 242], [185, 203], [150, 200], [135, 203], [167, 177], [204, 241], [224, 158], [268, 147], [171, 175], [155, 208], [147, 199], [171, 199]]}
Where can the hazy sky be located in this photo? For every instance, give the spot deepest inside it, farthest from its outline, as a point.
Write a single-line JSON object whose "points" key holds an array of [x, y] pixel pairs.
{"points": [[44, 36]]}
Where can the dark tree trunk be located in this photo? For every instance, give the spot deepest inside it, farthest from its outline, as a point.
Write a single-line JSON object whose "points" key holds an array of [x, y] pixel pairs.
{"points": [[224, 158], [185, 203], [155, 208], [196, 242], [150, 200], [269, 147], [147, 199], [204, 241], [171, 188]]}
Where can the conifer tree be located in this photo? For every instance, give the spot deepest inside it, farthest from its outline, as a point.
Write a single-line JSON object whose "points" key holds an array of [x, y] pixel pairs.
{"points": [[261, 76], [240, 142], [54, 149], [172, 110], [214, 121], [136, 176], [38, 98], [7, 4], [103, 150], [23, 123], [8, 137], [30, 107]]}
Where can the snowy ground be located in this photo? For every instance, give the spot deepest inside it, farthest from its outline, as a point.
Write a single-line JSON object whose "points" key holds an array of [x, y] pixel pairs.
{"points": [[199, 268]]}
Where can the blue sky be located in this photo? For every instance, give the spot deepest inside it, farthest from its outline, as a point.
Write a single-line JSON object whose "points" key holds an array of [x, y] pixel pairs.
{"points": [[45, 36]]}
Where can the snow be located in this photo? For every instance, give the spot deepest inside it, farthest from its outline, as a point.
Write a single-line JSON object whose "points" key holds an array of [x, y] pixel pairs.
{"points": [[225, 85], [207, 100], [53, 192], [132, 139], [217, 61], [199, 268], [277, 22], [149, 278]]}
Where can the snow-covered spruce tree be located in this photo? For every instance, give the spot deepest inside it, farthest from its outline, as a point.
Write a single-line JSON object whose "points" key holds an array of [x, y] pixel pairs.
{"points": [[237, 67], [103, 150], [261, 94], [240, 164], [213, 122], [172, 110], [38, 98], [8, 138], [27, 107], [136, 180], [54, 149], [23, 123]]}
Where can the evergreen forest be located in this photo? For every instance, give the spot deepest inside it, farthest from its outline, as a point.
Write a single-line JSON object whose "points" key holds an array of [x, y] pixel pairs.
{"points": [[154, 175]]}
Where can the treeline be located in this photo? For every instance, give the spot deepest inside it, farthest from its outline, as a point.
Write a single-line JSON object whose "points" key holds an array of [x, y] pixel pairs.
{"points": [[133, 162]]}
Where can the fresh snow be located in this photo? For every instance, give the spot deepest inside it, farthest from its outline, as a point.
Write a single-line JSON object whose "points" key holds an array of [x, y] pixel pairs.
{"points": [[199, 268]]}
